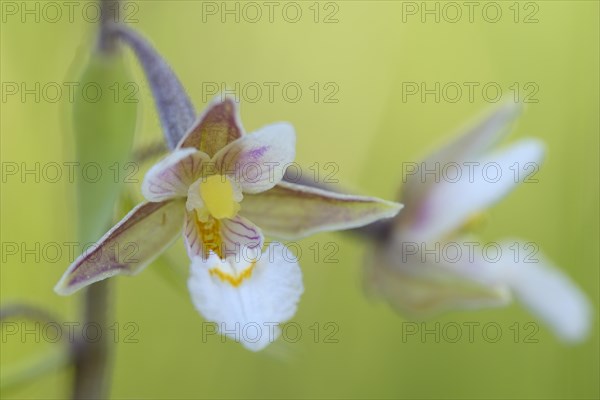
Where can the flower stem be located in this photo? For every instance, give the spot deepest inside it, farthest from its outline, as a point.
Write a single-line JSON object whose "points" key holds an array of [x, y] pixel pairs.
{"points": [[92, 350]]}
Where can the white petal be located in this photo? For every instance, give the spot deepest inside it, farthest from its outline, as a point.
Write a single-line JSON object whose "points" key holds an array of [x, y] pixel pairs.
{"points": [[249, 312], [481, 137], [194, 199], [551, 295], [469, 146], [258, 160], [172, 176], [450, 202]]}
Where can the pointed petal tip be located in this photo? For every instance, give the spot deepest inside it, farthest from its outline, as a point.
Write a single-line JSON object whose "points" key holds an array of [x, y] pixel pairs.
{"points": [[509, 106], [67, 286], [394, 206], [227, 98], [507, 110], [112, 254], [293, 211], [224, 99], [218, 125], [62, 289], [389, 210], [535, 148]]}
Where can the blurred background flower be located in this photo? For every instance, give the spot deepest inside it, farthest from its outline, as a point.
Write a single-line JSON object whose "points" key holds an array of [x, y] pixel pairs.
{"points": [[429, 261], [375, 85]]}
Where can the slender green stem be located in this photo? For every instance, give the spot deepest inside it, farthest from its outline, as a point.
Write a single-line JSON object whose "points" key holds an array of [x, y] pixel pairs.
{"points": [[92, 353]]}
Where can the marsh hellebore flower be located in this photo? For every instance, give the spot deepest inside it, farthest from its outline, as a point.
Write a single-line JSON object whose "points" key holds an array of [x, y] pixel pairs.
{"points": [[224, 189], [429, 264]]}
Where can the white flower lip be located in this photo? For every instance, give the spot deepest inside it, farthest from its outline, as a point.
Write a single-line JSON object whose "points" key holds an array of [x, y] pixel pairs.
{"points": [[252, 297]]}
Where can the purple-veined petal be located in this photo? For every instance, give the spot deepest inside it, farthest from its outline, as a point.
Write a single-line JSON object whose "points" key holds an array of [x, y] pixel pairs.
{"points": [[172, 176], [218, 126], [453, 200], [258, 161], [292, 211], [128, 247], [247, 301], [236, 238], [241, 238], [200, 237]]}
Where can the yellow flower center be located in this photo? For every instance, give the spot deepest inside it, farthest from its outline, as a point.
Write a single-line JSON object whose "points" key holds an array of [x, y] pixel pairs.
{"points": [[210, 234], [218, 195]]}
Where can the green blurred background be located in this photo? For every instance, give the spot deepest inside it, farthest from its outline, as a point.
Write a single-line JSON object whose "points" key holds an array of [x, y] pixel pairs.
{"points": [[372, 49]]}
